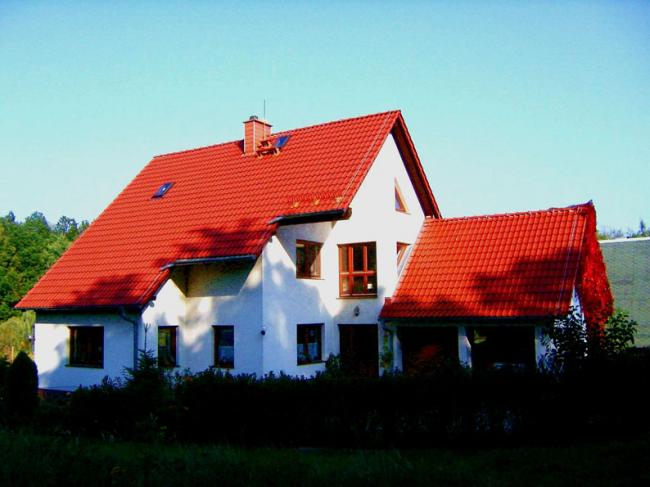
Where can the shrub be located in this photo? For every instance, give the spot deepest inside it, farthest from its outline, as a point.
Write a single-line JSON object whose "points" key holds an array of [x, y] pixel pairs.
{"points": [[22, 387], [576, 345]]}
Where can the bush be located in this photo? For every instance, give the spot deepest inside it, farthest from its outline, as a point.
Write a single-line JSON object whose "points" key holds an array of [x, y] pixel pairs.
{"points": [[450, 405], [575, 345], [22, 387]]}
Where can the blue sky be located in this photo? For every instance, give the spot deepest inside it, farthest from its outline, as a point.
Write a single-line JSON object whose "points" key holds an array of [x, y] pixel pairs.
{"points": [[512, 105]]}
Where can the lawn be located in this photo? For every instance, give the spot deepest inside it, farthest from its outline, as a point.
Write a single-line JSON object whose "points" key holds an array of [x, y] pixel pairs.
{"points": [[40, 460]]}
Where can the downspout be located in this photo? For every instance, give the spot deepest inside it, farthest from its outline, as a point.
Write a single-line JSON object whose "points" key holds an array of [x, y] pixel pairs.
{"points": [[136, 333]]}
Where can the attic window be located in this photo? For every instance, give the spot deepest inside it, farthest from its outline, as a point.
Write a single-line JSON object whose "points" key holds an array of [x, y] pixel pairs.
{"points": [[400, 205], [162, 191]]}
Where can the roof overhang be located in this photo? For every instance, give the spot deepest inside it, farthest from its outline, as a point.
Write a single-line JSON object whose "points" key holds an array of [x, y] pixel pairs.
{"points": [[210, 260], [313, 217], [85, 309], [414, 168], [470, 320]]}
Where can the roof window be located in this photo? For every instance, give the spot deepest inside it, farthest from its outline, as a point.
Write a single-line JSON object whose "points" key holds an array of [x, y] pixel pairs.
{"points": [[162, 191]]}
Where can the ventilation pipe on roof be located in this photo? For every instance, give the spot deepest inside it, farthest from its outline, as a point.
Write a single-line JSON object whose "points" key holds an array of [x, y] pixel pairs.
{"points": [[255, 130]]}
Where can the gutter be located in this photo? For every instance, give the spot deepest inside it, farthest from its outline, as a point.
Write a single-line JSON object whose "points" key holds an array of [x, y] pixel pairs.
{"points": [[136, 334], [209, 260], [319, 216]]}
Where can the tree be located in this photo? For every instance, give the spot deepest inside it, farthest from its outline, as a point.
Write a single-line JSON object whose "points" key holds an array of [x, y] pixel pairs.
{"points": [[27, 250], [16, 334], [22, 387]]}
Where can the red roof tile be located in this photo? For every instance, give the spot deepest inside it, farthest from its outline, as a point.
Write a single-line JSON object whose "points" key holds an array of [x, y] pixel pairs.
{"points": [[498, 266], [220, 205]]}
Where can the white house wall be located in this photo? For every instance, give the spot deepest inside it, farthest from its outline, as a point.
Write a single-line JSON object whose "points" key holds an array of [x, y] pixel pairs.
{"points": [[51, 349], [289, 301], [196, 298]]}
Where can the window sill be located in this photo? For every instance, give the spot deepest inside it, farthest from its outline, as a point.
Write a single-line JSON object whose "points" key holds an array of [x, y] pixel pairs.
{"points": [[79, 366], [310, 278], [359, 296], [311, 363]]}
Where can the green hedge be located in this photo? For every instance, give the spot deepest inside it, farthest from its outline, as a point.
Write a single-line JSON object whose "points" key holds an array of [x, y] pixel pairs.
{"points": [[450, 406]]}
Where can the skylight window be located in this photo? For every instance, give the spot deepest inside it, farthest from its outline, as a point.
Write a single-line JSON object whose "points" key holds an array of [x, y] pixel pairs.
{"points": [[162, 191], [281, 141]]}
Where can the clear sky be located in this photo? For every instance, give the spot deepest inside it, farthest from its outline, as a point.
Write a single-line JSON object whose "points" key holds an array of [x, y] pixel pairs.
{"points": [[511, 105]]}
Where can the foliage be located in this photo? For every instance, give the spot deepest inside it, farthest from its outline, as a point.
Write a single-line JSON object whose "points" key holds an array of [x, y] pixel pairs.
{"points": [[16, 333], [618, 334], [27, 250], [447, 406], [574, 344], [22, 387], [612, 233]]}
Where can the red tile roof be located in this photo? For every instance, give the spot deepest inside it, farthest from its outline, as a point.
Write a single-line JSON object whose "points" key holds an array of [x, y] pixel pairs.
{"points": [[519, 265], [221, 204]]}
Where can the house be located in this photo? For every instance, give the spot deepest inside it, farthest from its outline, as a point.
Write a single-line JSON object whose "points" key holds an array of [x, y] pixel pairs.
{"points": [[267, 254], [628, 268]]}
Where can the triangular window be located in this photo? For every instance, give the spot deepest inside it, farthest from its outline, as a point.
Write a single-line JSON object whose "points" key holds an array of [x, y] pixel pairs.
{"points": [[400, 204]]}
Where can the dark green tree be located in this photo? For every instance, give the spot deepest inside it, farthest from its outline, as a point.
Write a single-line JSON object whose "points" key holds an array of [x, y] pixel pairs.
{"points": [[22, 387]]}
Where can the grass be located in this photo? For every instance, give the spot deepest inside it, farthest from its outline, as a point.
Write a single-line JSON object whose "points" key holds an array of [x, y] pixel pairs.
{"points": [[29, 459]]}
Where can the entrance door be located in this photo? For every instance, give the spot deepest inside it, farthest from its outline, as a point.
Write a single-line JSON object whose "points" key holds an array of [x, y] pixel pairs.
{"points": [[359, 349]]}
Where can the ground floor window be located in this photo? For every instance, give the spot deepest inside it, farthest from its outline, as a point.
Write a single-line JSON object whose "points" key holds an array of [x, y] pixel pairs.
{"points": [[224, 347], [87, 346], [309, 343], [167, 346], [502, 346], [426, 348]]}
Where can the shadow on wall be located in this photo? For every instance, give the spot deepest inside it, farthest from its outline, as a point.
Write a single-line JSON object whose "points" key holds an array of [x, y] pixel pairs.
{"points": [[252, 241]]}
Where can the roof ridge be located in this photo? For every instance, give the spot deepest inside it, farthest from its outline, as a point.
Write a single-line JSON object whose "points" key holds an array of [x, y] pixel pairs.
{"points": [[342, 120], [494, 216], [293, 130]]}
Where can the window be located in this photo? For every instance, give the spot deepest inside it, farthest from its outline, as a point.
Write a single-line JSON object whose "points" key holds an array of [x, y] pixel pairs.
{"points": [[162, 191], [358, 269], [502, 346], [401, 253], [167, 346], [307, 259], [87, 346], [224, 347], [400, 204], [310, 344]]}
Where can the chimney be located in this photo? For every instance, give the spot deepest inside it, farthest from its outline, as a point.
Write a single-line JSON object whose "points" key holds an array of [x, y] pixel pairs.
{"points": [[254, 131]]}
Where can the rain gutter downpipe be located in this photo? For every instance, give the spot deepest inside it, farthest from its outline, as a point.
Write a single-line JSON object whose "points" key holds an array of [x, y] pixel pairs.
{"points": [[136, 333]]}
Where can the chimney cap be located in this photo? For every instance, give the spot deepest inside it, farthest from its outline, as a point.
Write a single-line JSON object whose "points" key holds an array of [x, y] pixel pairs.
{"points": [[255, 118]]}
